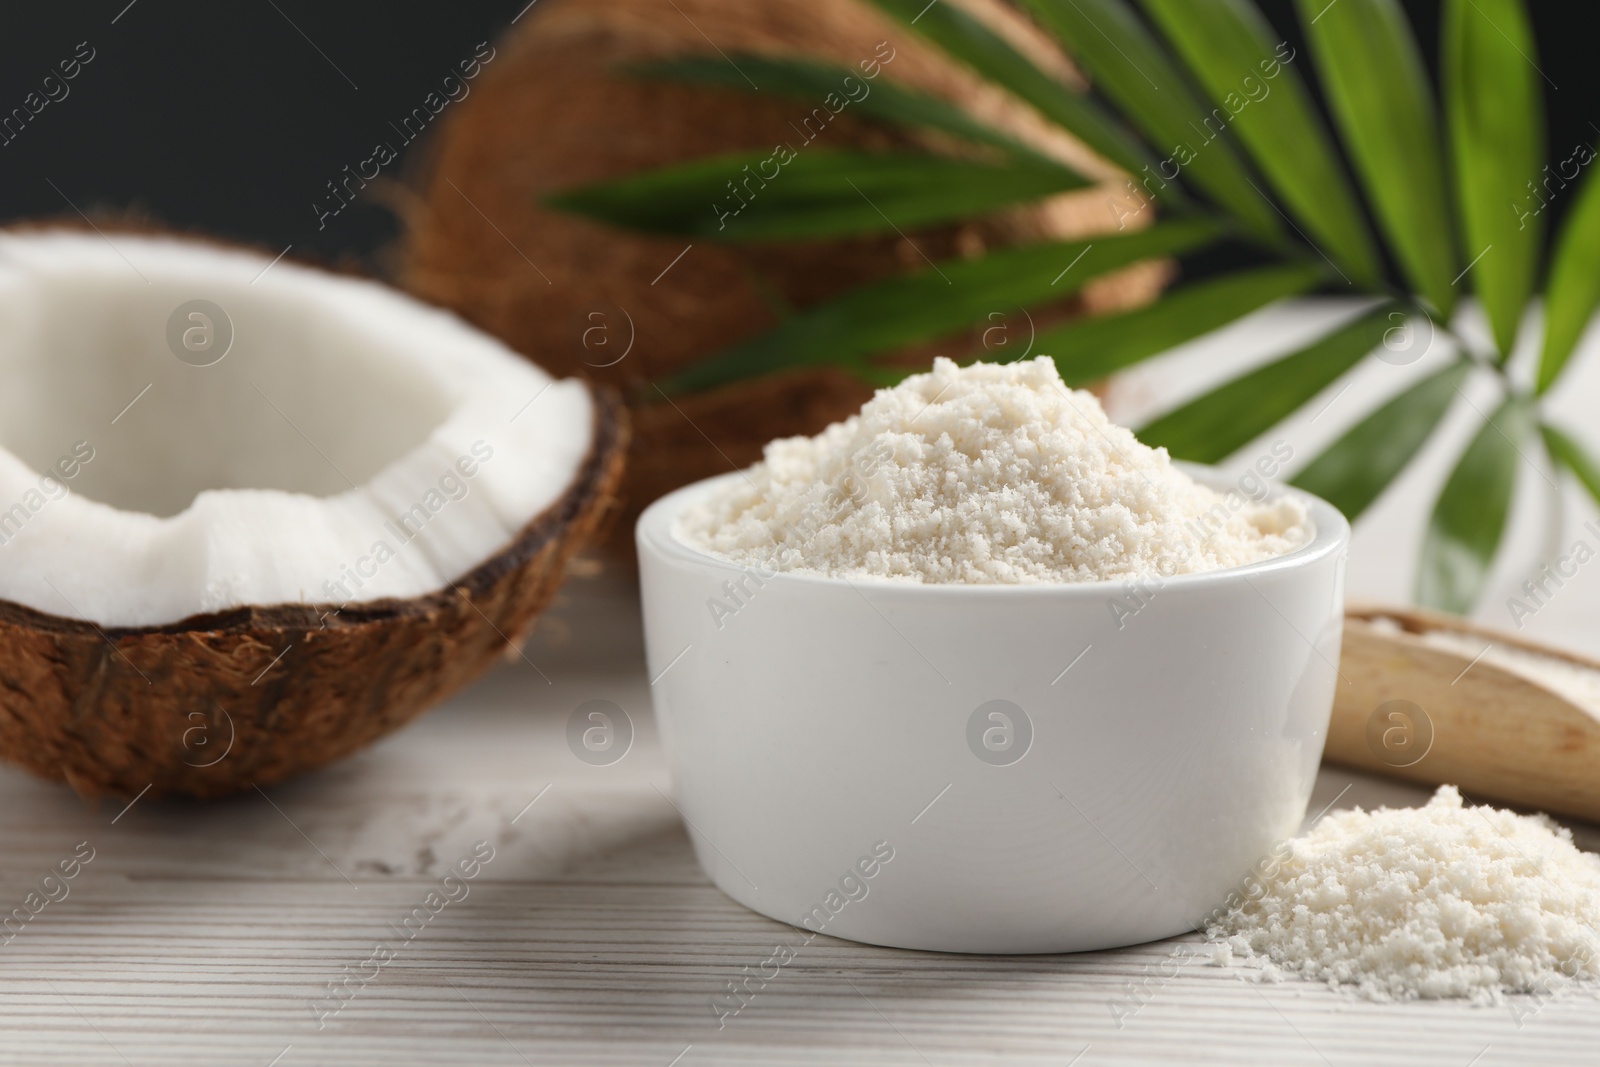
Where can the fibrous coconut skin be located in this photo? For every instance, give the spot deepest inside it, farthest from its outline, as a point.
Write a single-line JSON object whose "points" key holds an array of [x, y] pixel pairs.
{"points": [[556, 108], [212, 703]]}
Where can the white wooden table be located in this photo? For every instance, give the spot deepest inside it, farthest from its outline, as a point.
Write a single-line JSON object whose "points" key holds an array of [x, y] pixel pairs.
{"points": [[207, 934]]}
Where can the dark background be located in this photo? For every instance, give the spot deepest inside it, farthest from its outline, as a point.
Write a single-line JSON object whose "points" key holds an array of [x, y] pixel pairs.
{"points": [[232, 117], [223, 116]]}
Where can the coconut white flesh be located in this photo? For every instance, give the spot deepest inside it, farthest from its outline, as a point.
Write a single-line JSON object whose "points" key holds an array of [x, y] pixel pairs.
{"points": [[335, 431]]}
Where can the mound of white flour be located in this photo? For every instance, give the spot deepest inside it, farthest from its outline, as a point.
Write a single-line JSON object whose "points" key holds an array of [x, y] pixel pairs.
{"points": [[1439, 901], [986, 474]]}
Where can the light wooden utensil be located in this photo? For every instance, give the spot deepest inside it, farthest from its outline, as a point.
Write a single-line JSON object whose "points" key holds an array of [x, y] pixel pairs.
{"points": [[1409, 709]]}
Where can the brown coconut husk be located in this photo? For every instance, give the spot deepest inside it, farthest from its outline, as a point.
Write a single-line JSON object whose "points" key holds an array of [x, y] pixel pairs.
{"points": [[553, 109], [218, 703]]}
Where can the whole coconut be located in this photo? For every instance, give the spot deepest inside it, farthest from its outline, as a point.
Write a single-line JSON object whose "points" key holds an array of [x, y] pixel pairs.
{"points": [[555, 107]]}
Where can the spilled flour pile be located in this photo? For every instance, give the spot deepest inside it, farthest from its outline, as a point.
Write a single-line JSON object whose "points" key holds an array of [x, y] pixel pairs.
{"points": [[1439, 901], [985, 474]]}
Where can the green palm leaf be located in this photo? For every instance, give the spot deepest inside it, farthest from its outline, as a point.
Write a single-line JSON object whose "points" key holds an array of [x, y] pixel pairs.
{"points": [[1569, 454], [935, 303], [1352, 472], [1233, 52], [971, 42], [1378, 89], [1216, 425], [813, 194], [1496, 119], [1573, 291], [817, 83], [1090, 349], [1130, 66], [1469, 517]]}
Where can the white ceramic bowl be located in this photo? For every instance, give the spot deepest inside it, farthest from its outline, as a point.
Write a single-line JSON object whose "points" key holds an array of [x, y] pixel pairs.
{"points": [[987, 768]]}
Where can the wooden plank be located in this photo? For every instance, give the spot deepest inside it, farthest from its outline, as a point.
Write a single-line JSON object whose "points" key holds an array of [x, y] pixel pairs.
{"points": [[203, 934]]}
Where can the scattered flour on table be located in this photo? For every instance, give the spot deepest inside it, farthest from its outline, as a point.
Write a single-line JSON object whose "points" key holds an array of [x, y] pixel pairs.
{"points": [[1439, 901], [990, 473]]}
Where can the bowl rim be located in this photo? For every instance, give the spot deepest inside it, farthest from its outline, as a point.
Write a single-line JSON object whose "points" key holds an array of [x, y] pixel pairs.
{"points": [[655, 535]]}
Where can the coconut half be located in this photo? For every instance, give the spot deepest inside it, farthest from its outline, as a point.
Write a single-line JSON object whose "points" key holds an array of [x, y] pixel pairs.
{"points": [[253, 515]]}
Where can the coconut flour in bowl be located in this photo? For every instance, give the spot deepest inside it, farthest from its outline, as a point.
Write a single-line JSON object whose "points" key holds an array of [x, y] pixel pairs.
{"points": [[985, 474], [993, 516]]}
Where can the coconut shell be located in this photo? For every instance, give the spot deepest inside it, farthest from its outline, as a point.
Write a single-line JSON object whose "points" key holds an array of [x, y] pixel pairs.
{"points": [[554, 109], [221, 702]]}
